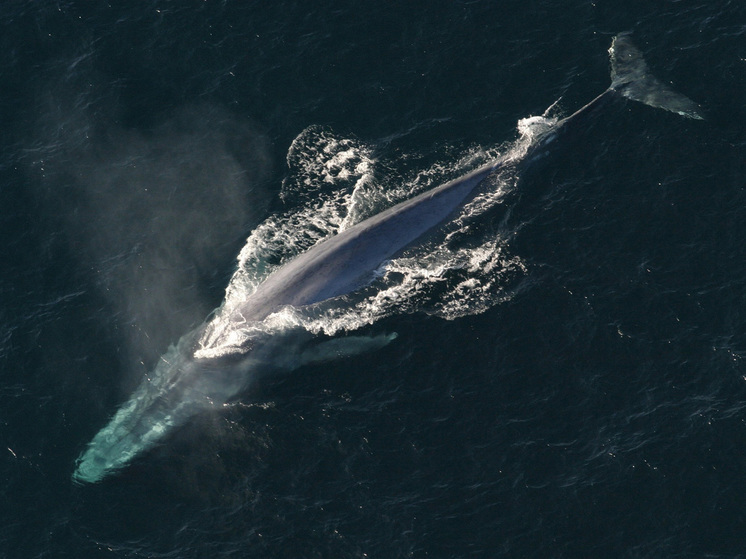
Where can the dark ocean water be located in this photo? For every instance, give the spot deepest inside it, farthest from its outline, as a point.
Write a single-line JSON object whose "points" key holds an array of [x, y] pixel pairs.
{"points": [[594, 405]]}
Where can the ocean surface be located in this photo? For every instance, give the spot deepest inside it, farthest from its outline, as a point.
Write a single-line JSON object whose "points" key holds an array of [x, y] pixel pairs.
{"points": [[568, 377]]}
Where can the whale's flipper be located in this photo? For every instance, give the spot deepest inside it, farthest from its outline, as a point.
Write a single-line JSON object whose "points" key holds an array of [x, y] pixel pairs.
{"points": [[344, 347], [631, 78]]}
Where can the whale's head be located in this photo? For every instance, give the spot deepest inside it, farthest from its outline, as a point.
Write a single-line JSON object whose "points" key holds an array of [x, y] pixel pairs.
{"points": [[179, 388]]}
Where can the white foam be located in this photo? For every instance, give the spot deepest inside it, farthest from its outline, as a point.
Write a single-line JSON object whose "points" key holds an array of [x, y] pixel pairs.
{"points": [[334, 183]]}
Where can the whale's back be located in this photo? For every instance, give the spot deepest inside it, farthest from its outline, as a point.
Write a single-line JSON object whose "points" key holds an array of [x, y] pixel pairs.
{"points": [[347, 261]]}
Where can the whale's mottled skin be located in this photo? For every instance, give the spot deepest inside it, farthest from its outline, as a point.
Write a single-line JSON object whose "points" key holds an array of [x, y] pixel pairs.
{"points": [[346, 261], [184, 384]]}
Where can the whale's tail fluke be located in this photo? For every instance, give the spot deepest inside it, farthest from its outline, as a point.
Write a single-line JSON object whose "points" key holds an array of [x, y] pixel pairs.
{"points": [[631, 78]]}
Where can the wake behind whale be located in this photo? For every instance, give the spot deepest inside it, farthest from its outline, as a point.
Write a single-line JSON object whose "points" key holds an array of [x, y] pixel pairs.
{"points": [[357, 270]]}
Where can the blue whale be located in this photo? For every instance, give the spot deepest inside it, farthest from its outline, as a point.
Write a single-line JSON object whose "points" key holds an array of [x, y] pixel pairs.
{"points": [[183, 383]]}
